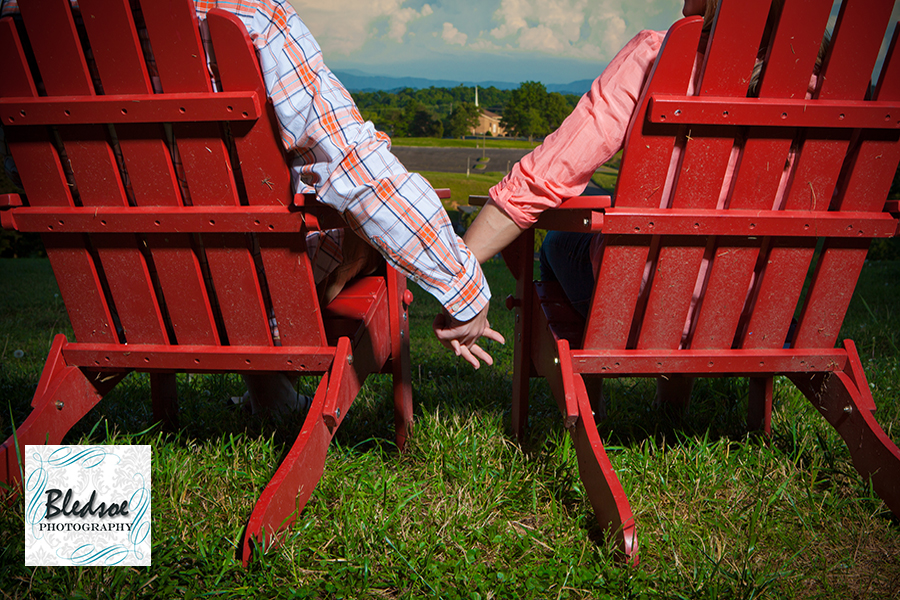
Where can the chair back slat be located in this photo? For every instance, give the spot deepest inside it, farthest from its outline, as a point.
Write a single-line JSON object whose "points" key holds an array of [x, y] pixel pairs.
{"points": [[704, 163], [758, 172], [181, 61], [42, 173], [64, 72], [864, 186], [845, 76], [870, 172], [648, 152], [116, 48], [649, 146], [788, 71], [267, 181], [728, 65]]}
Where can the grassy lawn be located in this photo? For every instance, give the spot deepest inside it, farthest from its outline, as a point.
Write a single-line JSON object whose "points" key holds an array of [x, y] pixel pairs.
{"points": [[461, 187], [467, 512], [488, 142]]}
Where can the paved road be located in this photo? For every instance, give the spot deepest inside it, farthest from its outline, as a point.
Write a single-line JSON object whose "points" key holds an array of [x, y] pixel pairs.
{"points": [[453, 160]]}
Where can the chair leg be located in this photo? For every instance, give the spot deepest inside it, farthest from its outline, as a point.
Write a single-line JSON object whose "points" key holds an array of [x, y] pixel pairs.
{"points": [[845, 401], [675, 391], [600, 481], [759, 409], [594, 386], [164, 394], [292, 485], [524, 326], [63, 396], [399, 299]]}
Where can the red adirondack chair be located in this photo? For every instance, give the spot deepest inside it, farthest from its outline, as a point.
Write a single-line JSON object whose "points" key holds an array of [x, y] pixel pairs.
{"points": [[758, 253], [142, 291]]}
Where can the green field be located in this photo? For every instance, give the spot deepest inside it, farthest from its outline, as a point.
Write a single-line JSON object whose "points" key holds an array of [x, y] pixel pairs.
{"points": [[466, 512], [487, 142]]}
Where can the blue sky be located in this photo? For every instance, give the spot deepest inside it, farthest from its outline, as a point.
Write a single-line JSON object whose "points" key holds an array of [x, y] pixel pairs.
{"points": [[551, 41]]}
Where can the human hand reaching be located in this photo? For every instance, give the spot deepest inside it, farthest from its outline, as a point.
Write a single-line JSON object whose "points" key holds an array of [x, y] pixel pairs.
{"points": [[462, 336]]}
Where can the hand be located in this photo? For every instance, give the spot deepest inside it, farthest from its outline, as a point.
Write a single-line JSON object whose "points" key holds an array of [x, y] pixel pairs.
{"points": [[461, 336]]}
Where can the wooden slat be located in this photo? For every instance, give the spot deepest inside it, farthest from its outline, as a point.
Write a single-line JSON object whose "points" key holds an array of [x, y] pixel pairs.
{"points": [[648, 152], [43, 176], [728, 63], [180, 58], [858, 34], [64, 71], [120, 62], [759, 171], [865, 187], [268, 182]]}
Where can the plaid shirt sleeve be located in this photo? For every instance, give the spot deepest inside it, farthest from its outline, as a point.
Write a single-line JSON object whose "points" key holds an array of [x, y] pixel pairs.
{"points": [[349, 165]]}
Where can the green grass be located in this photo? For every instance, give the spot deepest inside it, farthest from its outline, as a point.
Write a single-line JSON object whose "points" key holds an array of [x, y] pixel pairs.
{"points": [[461, 187], [488, 142], [468, 513]]}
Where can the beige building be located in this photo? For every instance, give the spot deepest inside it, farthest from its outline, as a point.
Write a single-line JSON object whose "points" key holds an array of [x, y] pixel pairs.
{"points": [[488, 123]]}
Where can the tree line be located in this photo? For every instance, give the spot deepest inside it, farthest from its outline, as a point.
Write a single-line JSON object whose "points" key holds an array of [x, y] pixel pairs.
{"points": [[528, 111]]}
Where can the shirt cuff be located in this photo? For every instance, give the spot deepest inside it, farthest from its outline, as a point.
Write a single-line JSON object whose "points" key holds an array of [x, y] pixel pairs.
{"points": [[468, 292], [502, 195]]}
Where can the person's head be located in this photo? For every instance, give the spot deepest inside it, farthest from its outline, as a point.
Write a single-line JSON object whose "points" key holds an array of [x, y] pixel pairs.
{"points": [[694, 8], [707, 9]]}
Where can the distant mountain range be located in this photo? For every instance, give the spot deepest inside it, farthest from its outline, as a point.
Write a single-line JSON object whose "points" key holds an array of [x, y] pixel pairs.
{"points": [[358, 81]]}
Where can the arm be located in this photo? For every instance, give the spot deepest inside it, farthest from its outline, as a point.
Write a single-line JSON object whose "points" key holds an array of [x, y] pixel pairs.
{"points": [[491, 232], [561, 167], [563, 164]]}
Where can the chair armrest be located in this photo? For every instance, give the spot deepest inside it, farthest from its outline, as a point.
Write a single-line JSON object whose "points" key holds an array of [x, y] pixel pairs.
{"points": [[575, 203]]}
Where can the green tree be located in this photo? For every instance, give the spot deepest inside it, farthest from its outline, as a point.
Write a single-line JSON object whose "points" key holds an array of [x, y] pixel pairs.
{"points": [[423, 123], [463, 118], [532, 112], [556, 111], [392, 112]]}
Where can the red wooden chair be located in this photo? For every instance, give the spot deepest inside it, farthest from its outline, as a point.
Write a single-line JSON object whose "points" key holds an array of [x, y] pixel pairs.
{"points": [[758, 253], [155, 285]]}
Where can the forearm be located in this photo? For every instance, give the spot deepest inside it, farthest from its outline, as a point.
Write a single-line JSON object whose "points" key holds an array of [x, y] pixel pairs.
{"points": [[491, 232]]}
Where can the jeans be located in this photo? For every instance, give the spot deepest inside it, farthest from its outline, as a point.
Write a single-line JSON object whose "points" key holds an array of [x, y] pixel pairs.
{"points": [[566, 257]]}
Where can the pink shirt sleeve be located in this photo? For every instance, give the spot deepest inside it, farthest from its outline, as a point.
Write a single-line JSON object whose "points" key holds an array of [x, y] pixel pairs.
{"points": [[562, 166]]}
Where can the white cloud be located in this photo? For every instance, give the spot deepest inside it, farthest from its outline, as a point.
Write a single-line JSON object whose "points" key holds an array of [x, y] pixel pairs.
{"points": [[541, 39], [610, 32], [384, 32], [593, 30], [343, 26], [452, 35], [401, 18], [484, 46]]}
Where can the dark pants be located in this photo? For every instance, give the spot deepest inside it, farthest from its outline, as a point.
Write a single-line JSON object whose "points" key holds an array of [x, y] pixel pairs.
{"points": [[566, 258]]}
